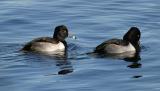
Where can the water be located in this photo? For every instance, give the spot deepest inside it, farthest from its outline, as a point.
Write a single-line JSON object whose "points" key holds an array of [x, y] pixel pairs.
{"points": [[92, 21]]}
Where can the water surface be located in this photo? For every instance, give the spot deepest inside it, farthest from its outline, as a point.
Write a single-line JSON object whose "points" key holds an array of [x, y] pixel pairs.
{"points": [[92, 21]]}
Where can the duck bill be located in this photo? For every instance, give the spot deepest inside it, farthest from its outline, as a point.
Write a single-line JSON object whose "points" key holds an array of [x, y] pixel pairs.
{"points": [[72, 36]]}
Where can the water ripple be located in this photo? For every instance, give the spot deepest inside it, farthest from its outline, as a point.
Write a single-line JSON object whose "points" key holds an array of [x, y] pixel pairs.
{"points": [[93, 21]]}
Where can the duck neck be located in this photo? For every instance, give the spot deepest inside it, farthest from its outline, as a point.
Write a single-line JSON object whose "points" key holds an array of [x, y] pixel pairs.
{"points": [[136, 45]]}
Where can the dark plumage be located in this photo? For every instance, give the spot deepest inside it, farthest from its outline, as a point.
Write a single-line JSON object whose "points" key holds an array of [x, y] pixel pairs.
{"points": [[40, 44], [130, 42]]}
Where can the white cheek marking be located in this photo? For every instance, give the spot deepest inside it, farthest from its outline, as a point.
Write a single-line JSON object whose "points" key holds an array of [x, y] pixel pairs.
{"points": [[113, 48]]}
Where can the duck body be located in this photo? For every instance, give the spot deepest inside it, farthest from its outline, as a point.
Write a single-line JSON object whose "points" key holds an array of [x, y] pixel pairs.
{"points": [[48, 44], [129, 43], [115, 46], [45, 44]]}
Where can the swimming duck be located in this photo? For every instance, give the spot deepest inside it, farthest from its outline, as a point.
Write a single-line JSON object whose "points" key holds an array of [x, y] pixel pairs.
{"points": [[55, 44], [129, 43]]}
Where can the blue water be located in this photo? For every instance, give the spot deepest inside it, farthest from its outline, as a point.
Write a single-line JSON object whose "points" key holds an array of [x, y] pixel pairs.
{"points": [[92, 21]]}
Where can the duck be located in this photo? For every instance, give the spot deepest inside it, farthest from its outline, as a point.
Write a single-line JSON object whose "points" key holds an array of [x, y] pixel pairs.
{"points": [[53, 44], [129, 44]]}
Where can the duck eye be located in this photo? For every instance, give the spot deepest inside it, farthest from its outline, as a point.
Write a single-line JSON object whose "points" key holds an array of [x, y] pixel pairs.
{"points": [[64, 31]]}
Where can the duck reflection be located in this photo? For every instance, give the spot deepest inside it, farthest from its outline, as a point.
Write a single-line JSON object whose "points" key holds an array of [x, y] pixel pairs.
{"points": [[132, 57], [134, 61], [60, 59], [65, 67], [63, 63]]}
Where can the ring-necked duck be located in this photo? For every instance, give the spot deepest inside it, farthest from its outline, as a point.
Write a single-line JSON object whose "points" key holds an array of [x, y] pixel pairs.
{"points": [[48, 44], [129, 43]]}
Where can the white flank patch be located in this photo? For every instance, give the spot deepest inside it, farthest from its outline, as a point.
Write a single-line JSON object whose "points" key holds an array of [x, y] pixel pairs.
{"points": [[48, 47], [113, 48]]}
